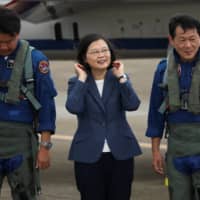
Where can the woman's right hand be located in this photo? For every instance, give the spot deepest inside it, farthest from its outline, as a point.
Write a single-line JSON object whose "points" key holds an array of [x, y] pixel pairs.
{"points": [[80, 71]]}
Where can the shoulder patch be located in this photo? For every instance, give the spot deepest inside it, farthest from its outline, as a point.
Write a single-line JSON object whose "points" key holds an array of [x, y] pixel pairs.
{"points": [[44, 67]]}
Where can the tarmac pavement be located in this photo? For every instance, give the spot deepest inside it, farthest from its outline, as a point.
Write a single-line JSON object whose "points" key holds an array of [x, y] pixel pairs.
{"points": [[58, 181]]}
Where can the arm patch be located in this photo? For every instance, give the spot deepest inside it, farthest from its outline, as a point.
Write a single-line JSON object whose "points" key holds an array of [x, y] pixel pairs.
{"points": [[44, 67]]}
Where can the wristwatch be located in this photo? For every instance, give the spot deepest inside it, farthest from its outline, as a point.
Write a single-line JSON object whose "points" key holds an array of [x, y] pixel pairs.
{"points": [[46, 145], [124, 76]]}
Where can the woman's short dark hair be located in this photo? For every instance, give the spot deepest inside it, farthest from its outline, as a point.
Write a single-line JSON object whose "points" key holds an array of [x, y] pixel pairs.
{"points": [[185, 22], [9, 21], [84, 44]]}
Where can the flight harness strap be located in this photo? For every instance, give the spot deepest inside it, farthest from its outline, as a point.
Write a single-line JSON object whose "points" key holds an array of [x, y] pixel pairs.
{"points": [[174, 98], [28, 91], [173, 83], [14, 83], [164, 106], [23, 61], [194, 99]]}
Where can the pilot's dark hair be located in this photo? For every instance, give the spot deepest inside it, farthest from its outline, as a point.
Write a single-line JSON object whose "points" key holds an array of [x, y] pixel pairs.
{"points": [[9, 21], [84, 44], [185, 22]]}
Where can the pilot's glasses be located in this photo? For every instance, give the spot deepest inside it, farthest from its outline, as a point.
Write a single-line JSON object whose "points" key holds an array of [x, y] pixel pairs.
{"points": [[96, 52], [7, 42]]}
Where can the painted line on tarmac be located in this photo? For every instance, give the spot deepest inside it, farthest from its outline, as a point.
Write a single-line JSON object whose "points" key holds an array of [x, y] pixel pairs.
{"points": [[142, 144]]}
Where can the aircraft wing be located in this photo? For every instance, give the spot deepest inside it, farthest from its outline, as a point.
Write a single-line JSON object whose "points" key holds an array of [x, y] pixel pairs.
{"points": [[37, 11], [19, 6]]}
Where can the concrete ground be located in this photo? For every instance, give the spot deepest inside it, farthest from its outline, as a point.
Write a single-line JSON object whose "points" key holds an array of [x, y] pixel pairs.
{"points": [[58, 181]]}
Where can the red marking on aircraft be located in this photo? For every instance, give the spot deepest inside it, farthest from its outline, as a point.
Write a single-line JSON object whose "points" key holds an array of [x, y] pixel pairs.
{"points": [[21, 6]]}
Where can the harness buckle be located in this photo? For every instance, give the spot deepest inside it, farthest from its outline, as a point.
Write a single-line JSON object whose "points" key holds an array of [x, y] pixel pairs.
{"points": [[30, 80], [184, 100], [166, 133]]}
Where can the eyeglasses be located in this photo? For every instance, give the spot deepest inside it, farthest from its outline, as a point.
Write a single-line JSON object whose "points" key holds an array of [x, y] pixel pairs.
{"points": [[96, 52], [7, 42]]}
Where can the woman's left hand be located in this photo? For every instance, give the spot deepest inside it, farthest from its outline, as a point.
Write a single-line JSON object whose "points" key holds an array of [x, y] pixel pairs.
{"points": [[118, 68]]}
